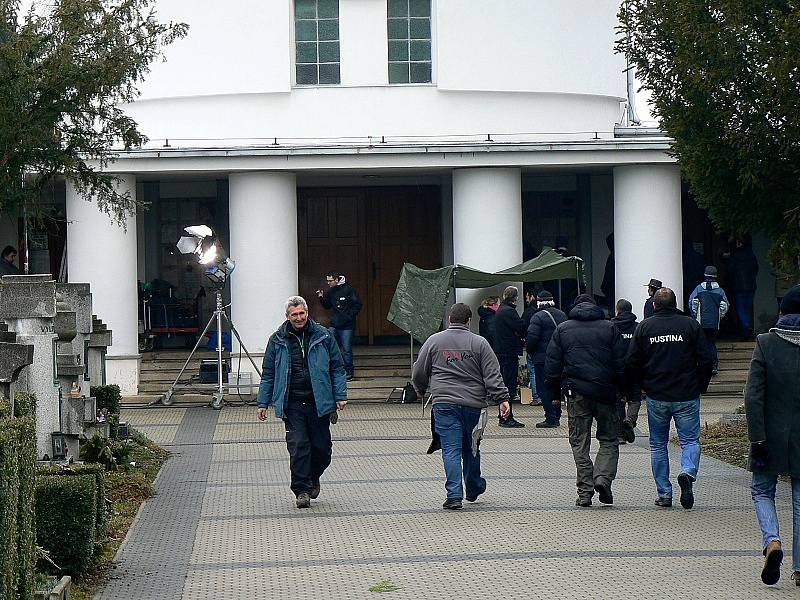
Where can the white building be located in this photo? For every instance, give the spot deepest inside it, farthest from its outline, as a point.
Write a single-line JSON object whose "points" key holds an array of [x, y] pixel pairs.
{"points": [[361, 134]]}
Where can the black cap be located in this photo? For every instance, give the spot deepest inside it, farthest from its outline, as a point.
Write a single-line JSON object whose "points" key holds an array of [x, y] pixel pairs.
{"points": [[544, 296], [711, 271]]}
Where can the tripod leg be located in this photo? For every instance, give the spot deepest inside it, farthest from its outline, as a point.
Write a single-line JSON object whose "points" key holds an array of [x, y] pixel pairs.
{"points": [[167, 399], [241, 343]]}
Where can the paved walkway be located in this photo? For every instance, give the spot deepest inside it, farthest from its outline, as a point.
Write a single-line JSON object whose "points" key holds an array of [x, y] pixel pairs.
{"points": [[223, 524]]}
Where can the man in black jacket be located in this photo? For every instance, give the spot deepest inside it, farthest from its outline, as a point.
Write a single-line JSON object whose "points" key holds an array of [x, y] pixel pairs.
{"points": [[509, 331], [343, 302], [586, 359], [542, 326], [625, 321], [652, 287], [669, 357]]}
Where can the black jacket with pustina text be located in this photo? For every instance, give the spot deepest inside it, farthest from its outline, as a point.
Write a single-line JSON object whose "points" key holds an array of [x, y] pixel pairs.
{"points": [[669, 357]]}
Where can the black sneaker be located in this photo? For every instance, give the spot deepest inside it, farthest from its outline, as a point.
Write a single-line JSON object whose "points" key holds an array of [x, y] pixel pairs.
{"points": [[452, 504], [510, 422], [315, 490], [687, 495], [627, 432], [664, 502], [303, 500], [583, 502], [475, 497], [547, 425], [604, 493]]}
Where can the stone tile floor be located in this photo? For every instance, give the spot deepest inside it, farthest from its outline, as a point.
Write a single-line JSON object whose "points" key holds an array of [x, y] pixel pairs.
{"points": [[223, 524]]}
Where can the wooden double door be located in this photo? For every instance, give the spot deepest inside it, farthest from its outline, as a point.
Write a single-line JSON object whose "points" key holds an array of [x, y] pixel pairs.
{"points": [[367, 234]]}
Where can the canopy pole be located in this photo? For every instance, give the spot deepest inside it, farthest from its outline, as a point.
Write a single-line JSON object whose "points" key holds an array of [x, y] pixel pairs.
{"points": [[411, 345], [560, 296], [577, 277]]}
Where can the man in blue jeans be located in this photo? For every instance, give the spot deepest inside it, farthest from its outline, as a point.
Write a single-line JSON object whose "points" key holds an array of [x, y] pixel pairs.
{"points": [[670, 359], [462, 372]]}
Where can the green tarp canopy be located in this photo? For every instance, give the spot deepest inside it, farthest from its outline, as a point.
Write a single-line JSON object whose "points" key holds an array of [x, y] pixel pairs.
{"points": [[421, 296]]}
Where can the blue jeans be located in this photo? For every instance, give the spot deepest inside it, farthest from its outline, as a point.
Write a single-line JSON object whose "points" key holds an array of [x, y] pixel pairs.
{"points": [[763, 491], [532, 376], [687, 422], [344, 337], [454, 424], [552, 412], [744, 310]]}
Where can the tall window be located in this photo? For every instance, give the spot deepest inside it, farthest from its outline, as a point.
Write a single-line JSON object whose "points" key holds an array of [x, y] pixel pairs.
{"points": [[316, 33], [409, 28]]}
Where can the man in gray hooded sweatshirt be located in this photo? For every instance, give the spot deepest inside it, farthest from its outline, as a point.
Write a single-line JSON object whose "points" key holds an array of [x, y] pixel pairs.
{"points": [[462, 372]]}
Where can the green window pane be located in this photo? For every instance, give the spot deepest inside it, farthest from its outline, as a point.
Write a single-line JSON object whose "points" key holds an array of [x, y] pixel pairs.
{"points": [[329, 29], [421, 72], [329, 52], [398, 50], [306, 74], [328, 9], [420, 8], [420, 50], [398, 8], [305, 9], [398, 72], [398, 29], [305, 31], [306, 52], [329, 74], [420, 29]]}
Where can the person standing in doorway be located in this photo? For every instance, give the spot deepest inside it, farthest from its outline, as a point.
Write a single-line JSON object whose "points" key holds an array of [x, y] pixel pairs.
{"points": [[7, 259], [773, 428], [531, 308], [462, 372], [304, 379], [652, 288], [343, 302], [630, 400], [669, 358], [743, 273], [708, 304], [509, 331], [540, 331]]}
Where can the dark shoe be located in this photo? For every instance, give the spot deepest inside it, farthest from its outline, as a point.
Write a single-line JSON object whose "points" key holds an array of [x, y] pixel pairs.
{"points": [[583, 502], [547, 425], [621, 441], [303, 500], [627, 431], [315, 490], [714, 372], [796, 578], [475, 497], [604, 493], [771, 572], [536, 402], [664, 502], [351, 377], [687, 495], [510, 422], [452, 504]]}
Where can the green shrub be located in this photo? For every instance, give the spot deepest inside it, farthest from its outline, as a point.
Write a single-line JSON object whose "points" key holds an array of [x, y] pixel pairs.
{"points": [[9, 497], [5, 408], [99, 474], [26, 515], [25, 405], [66, 515], [108, 397]]}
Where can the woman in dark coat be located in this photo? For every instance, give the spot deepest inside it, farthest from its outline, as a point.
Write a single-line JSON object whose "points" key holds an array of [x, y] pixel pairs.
{"points": [[772, 401]]}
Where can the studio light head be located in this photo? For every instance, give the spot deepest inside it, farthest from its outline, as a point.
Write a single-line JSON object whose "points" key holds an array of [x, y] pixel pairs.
{"points": [[206, 247]]}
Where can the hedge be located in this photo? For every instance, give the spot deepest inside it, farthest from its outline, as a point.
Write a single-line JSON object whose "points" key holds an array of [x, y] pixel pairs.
{"points": [[108, 397], [25, 409], [99, 473], [9, 497], [66, 519]]}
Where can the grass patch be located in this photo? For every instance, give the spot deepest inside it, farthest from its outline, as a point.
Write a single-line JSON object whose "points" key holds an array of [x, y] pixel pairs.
{"points": [[384, 586], [126, 489], [727, 442]]}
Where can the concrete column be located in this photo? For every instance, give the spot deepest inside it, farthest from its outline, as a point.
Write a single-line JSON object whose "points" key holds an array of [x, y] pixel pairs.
{"points": [[487, 226], [104, 255], [263, 234], [647, 231]]}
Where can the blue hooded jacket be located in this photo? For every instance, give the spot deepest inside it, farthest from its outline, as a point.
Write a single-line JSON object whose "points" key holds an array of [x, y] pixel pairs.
{"points": [[328, 378], [708, 304]]}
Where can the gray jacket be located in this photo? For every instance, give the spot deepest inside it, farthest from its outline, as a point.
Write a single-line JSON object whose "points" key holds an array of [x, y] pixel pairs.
{"points": [[460, 368]]}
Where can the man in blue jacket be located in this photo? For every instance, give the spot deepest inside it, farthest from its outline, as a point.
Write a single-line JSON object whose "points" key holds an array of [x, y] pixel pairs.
{"points": [[708, 304], [304, 379]]}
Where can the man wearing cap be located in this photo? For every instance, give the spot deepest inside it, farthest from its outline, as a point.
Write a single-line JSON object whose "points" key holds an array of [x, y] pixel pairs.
{"points": [[542, 326], [708, 304], [652, 288]]}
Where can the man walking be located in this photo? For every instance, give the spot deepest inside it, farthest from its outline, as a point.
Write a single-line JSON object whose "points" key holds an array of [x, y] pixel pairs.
{"points": [[462, 372], [585, 361], [303, 378], [669, 358], [630, 401], [509, 331], [708, 304], [343, 302], [652, 287], [541, 329], [773, 426]]}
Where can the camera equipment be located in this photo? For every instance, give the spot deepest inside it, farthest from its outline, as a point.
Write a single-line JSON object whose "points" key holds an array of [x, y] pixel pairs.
{"points": [[201, 243]]}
